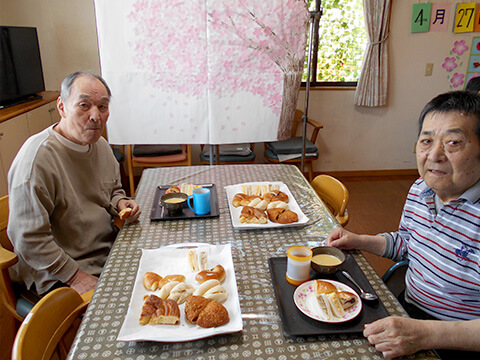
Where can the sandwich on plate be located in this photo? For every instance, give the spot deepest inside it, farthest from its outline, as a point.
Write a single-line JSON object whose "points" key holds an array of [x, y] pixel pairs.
{"points": [[332, 303]]}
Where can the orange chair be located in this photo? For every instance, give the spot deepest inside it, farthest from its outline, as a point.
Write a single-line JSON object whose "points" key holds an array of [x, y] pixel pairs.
{"points": [[294, 145], [153, 159], [334, 194]]}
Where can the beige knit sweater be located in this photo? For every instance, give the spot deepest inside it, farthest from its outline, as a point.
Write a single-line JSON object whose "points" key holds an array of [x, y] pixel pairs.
{"points": [[60, 203]]}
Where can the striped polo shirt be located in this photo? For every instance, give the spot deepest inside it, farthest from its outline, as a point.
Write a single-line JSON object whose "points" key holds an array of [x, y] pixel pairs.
{"points": [[443, 277]]}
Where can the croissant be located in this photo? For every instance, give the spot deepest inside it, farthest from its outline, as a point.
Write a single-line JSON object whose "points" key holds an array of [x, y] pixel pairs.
{"points": [[151, 280], [282, 216]]}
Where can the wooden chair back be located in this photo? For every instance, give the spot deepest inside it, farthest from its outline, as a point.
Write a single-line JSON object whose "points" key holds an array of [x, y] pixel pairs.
{"points": [[155, 161], [334, 194], [298, 123], [7, 259], [49, 328]]}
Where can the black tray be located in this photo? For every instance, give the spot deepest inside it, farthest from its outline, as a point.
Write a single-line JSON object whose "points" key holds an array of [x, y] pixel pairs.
{"points": [[159, 213], [295, 323]]}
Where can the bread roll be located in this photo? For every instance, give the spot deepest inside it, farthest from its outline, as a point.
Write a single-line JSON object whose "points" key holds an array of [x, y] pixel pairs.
{"points": [[217, 293], [323, 287], [181, 292], [205, 286], [217, 273], [151, 281], [328, 299], [165, 290], [125, 213], [168, 278]]}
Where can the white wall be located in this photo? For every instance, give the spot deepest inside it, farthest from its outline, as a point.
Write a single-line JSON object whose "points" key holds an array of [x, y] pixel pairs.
{"points": [[353, 139]]}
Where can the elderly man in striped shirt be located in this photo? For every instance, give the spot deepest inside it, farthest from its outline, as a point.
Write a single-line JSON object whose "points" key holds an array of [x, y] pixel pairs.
{"points": [[439, 233]]}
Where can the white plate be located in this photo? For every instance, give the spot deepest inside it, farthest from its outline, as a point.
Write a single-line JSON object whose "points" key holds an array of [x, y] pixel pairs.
{"points": [[173, 260], [231, 190], [305, 300]]}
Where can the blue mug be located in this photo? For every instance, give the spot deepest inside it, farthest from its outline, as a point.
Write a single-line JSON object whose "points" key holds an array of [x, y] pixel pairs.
{"points": [[201, 201]]}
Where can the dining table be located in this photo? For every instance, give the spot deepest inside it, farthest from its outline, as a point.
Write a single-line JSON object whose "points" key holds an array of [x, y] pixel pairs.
{"points": [[266, 311]]}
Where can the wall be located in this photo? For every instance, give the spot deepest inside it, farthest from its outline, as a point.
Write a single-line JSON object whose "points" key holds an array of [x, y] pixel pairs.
{"points": [[353, 139]]}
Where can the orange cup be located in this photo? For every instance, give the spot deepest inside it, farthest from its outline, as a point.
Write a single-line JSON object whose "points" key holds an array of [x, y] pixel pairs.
{"points": [[298, 264]]}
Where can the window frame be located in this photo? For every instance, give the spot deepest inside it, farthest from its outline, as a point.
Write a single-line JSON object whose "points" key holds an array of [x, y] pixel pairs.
{"points": [[316, 37]]}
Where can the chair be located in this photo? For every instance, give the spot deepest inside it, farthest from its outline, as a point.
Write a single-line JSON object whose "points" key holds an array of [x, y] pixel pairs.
{"points": [[394, 278], [16, 299], [294, 145], [334, 194], [229, 154], [18, 303], [156, 155], [50, 327]]}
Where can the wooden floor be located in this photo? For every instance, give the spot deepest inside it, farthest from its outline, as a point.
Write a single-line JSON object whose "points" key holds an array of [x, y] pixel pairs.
{"points": [[375, 206]]}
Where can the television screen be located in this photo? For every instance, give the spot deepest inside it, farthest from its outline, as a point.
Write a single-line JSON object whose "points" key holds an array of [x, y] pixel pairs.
{"points": [[21, 75]]}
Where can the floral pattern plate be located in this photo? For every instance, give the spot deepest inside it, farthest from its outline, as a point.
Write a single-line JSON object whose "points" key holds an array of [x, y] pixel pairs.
{"points": [[305, 300]]}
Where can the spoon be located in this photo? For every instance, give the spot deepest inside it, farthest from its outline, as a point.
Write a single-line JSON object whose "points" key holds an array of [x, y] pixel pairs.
{"points": [[364, 295]]}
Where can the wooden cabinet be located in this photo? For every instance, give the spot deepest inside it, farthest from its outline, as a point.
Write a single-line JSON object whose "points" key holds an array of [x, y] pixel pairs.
{"points": [[14, 130]]}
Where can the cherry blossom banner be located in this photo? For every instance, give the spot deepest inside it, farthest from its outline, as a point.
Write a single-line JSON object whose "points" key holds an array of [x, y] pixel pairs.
{"points": [[201, 71]]}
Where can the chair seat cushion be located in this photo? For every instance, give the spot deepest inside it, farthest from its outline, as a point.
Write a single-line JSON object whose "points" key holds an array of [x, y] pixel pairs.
{"points": [[229, 158], [156, 150], [270, 154], [230, 149], [292, 146], [164, 159]]}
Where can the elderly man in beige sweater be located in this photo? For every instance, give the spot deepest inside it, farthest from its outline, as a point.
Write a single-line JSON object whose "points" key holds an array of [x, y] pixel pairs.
{"points": [[64, 188]]}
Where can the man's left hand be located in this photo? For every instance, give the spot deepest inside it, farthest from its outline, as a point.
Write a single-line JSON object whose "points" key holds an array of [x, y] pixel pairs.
{"points": [[396, 336], [130, 203]]}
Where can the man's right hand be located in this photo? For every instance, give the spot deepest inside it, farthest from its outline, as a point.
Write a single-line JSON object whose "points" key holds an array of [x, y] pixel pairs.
{"points": [[82, 282]]}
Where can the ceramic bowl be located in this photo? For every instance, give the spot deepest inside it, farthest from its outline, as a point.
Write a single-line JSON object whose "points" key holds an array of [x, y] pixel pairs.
{"points": [[323, 268], [174, 208]]}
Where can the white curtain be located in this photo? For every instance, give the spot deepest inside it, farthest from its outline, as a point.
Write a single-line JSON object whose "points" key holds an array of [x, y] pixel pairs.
{"points": [[201, 72], [372, 85]]}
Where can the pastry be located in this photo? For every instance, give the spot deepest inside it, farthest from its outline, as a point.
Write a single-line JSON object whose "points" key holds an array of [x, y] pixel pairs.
{"points": [[151, 280], [275, 195], [156, 311], [125, 213], [217, 273], [205, 312], [252, 215], [173, 189], [347, 299], [213, 315], [197, 262], [168, 278], [243, 199], [181, 292], [282, 216]]}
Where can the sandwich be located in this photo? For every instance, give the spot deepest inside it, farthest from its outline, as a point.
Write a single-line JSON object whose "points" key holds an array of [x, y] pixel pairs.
{"points": [[328, 300]]}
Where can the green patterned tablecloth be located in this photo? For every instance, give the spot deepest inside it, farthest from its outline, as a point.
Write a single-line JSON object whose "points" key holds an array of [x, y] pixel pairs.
{"points": [[262, 336]]}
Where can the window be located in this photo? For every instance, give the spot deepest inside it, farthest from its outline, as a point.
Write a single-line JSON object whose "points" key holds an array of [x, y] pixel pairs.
{"points": [[339, 42]]}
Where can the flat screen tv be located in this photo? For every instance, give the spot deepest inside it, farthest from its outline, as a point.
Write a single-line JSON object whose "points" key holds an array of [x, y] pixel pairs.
{"points": [[21, 75]]}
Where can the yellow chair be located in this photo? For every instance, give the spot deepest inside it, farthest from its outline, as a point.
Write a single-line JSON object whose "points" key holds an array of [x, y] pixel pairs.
{"points": [[184, 158], [294, 145], [334, 194], [50, 327]]}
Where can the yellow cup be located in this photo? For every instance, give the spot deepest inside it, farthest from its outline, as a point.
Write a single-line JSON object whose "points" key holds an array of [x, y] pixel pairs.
{"points": [[298, 264]]}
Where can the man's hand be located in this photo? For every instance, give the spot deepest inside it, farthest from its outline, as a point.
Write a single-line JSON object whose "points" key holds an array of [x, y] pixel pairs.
{"points": [[397, 336], [132, 204], [346, 240], [82, 282]]}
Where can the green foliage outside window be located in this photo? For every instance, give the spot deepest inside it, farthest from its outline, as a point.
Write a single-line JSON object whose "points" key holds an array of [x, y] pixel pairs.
{"points": [[341, 42]]}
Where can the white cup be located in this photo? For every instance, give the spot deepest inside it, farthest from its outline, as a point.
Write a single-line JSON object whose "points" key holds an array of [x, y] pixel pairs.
{"points": [[298, 264]]}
